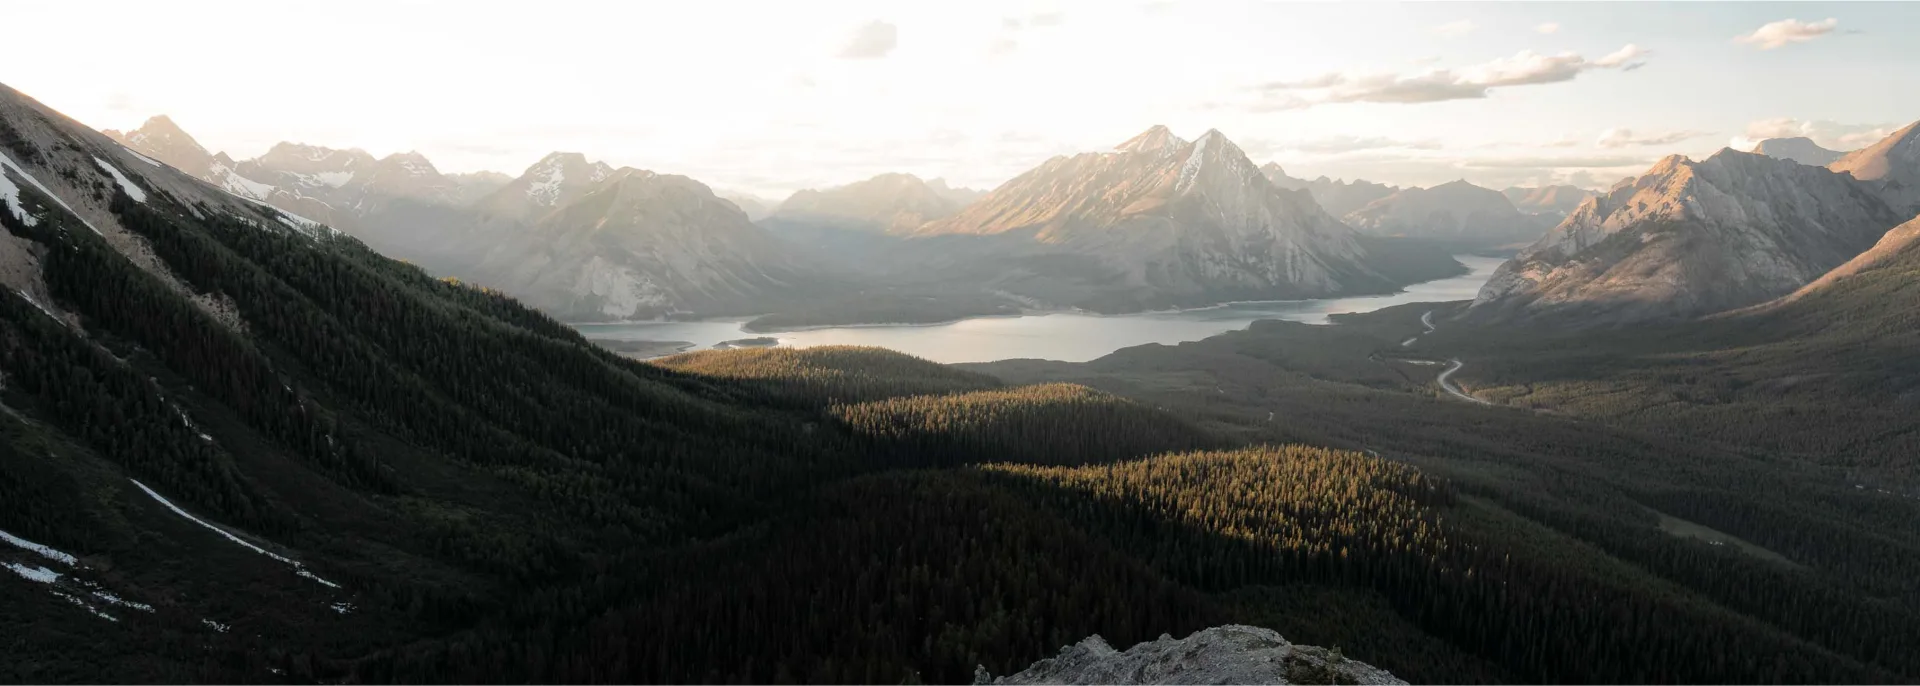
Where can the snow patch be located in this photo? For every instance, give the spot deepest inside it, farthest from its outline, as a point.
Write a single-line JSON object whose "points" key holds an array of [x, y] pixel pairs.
{"points": [[297, 567], [36, 303], [244, 187], [334, 179], [343, 608], [35, 574], [216, 626], [10, 196], [116, 600], [547, 190], [36, 548], [126, 184], [1191, 170], [8, 163], [77, 601]]}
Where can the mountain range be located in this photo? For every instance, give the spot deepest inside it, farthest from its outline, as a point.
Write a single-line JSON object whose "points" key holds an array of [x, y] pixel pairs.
{"points": [[1692, 238], [1335, 196], [1159, 221], [577, 238], [1457, 213], [238, 446], [1547, 200]]}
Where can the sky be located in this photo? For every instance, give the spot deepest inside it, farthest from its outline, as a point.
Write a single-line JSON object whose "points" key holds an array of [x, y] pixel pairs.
{"points": [[770, 97]]}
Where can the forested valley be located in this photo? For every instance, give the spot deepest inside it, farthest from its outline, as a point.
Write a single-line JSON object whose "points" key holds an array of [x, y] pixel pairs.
{"points": [[262, 452]]}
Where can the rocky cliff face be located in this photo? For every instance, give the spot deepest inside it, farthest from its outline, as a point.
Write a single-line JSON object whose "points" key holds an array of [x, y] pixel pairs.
{"points": [[1690, 238], [1161, 220], [1232, 654], [1457, 212], [1802, 150], [1891, 166]]}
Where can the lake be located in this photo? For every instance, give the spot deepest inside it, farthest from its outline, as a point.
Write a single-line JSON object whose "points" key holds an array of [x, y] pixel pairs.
{"points": [[1064, 336]]}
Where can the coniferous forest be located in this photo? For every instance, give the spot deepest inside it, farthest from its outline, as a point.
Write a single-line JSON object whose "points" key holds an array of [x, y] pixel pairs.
{"points": [[277, 456]]}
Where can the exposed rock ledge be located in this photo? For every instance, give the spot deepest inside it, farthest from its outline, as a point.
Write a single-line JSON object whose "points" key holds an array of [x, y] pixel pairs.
{"points": [[1232, 654]]}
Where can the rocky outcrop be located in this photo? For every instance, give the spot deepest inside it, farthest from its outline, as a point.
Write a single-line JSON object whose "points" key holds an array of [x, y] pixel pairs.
{"points": [[1799, 149], [1690, 238], [1456, 212], [1232, 654]]}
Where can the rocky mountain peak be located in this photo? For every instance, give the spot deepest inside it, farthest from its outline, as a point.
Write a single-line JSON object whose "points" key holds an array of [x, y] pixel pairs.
{"points": [[1172, 219], [1891, 166], [1554, 200], [300, 158], [163, 140], [1457, 211], [1157, 139], [158, 131], [887, 203], [1691, 238], [1798, 149], [410, 162], [560, 175]]}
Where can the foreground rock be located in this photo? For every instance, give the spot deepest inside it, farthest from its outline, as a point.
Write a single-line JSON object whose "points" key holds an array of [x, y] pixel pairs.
{"points": [[1232, 654]]}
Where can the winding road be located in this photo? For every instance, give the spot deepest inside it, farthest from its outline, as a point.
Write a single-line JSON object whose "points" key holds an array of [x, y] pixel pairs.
{"points": [[1446, 384], [1453, 390]]}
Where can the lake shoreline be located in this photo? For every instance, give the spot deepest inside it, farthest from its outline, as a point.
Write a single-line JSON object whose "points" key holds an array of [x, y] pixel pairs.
{"points": [[1063, 334]]}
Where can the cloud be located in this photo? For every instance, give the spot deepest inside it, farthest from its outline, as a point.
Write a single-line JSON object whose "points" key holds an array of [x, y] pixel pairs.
{"points": [[874, 40], [1525, 68], [1453, 29], [1046, 19], [1828, 134], [1008, 39], [1334, 145], [1626, 58], [121, 102], [1626, 138], [1787, 32], [1548, 27]]}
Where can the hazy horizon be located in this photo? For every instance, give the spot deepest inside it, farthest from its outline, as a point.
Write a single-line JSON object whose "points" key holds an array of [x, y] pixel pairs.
{"points": [[822, 95]]}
